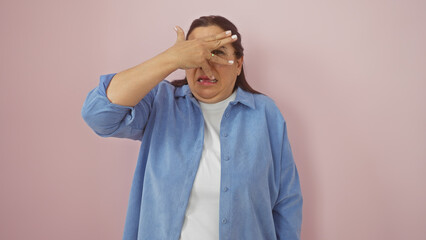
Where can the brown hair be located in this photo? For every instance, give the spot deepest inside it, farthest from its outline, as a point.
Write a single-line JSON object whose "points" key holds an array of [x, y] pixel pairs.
{"points": [[225, 24]]}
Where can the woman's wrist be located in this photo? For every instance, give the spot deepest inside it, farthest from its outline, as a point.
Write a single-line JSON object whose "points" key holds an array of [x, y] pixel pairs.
{"points": [[170, 60]]}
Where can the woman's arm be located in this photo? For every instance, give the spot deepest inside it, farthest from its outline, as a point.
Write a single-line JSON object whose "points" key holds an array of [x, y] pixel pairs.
{"points": [[128, 87]]}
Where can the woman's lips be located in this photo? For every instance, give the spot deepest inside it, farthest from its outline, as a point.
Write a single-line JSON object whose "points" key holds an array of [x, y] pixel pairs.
{"points": [[206, 81]]}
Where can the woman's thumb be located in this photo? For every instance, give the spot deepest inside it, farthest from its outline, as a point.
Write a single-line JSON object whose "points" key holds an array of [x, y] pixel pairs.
{"points": [[180, 34]]}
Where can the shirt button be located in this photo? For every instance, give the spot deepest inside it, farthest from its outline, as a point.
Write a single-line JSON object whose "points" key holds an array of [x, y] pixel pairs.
{"points": [[227, 115], [227, 158], [224, 220], [225, 189], [224, 134]]}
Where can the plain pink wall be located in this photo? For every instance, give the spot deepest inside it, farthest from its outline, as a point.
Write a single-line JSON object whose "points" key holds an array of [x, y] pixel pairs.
{"points": [[349, 77]]}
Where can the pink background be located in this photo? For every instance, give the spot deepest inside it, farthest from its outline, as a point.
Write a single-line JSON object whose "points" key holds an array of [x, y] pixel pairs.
{"points": [[348, 76]]}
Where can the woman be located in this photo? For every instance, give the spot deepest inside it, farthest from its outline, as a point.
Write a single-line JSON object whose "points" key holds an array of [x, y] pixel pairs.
{"points": [[215, 161]]}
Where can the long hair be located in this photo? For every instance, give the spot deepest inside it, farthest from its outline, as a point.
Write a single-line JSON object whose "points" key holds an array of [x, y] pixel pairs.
{"points": [[225, 24]]}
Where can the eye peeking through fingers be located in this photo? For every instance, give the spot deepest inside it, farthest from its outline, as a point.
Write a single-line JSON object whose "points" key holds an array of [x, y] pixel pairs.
{"points": [[219, 53]]}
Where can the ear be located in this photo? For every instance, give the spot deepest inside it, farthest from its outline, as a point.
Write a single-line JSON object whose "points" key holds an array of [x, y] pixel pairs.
{"points": [[240, 65]]}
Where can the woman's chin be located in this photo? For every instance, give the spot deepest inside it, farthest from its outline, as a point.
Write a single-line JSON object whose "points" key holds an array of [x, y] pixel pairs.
{"points": [[206, 99], [207, 96], [204, 93]]}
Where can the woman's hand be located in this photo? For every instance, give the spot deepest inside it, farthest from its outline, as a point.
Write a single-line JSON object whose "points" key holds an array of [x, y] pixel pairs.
{"points": [[198, 52]]}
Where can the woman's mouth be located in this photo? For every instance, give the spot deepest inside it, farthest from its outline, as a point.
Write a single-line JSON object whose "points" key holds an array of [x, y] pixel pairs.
{"points": [[204, 80]]}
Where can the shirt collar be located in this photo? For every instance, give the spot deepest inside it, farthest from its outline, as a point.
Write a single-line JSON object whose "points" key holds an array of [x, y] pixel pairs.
{"points": [[243, 97]]}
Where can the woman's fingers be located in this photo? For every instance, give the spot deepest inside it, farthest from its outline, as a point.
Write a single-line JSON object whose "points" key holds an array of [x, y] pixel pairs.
{"points": [[180, 34], [218, 36], [217, 41], [197, 52], [219, 60]]}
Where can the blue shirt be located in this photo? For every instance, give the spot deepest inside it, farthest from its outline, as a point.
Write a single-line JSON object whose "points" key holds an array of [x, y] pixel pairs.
{"points": [[260, 194]]}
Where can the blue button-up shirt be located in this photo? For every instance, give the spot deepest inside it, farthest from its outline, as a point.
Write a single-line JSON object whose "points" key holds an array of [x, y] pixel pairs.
{"points": [[260, 194]]}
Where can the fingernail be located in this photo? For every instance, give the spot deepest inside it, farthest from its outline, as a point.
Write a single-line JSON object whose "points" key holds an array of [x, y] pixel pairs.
{"points": [[228, 32], [234, 37], [176, 29], [231, 62]]}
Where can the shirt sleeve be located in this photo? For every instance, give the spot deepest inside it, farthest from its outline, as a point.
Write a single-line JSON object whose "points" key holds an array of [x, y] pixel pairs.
{"points": [[112, 120], [287, 211]]}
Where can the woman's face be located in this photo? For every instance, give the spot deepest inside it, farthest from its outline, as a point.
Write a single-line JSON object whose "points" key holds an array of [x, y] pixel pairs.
{"points": [[226, 75]]}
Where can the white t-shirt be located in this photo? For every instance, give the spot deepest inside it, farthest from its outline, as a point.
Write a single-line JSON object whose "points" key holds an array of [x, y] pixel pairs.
{"points": [[202, 214]]}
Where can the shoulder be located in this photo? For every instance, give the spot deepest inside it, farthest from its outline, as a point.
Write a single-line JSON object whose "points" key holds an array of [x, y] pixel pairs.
{"points": [[268, 106], [262, 100], [165, 85], [166, 88]]}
